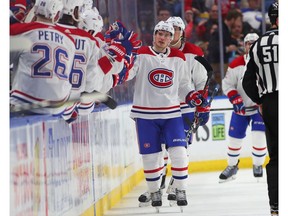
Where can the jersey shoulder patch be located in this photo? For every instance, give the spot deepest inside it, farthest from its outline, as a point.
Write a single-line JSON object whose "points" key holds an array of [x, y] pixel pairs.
{"points": [[239, 61], [193, 49]]}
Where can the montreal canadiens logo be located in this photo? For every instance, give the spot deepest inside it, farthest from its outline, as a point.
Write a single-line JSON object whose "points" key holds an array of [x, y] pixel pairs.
{"points": [[161, 78]]}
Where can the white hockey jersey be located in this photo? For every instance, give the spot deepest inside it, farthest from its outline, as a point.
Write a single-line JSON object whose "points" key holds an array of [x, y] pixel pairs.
{"points": [[233, 81], [197, 70], [161, 79], [91, 65], [42, 72]]}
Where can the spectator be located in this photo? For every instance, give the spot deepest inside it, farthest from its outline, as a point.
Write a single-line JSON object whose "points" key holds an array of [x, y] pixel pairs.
{"points": [[229, 45], [206, 27], [190, 32], [163, 14], [174, 6], [252, 15], [237, 37]]}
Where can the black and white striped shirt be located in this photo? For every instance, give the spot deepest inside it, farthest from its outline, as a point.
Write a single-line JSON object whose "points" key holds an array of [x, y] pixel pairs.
{"points": [[261, 75]]}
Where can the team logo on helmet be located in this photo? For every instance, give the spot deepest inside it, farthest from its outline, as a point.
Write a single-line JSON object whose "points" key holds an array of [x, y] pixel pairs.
{"points": [[161, 78]]}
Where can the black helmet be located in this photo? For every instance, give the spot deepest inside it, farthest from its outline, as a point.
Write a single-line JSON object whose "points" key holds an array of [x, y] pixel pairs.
{"points": [[273, 12]]}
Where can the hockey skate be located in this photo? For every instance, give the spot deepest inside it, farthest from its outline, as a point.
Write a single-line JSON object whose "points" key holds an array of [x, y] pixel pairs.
{"points": [[172, 197], [156, 200], [274, 210], [229, 173], [181, 198], [257, 171], [144, 199]]}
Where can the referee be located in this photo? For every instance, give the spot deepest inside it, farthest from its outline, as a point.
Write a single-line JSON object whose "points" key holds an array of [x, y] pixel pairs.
{"points": [[260, 83]]}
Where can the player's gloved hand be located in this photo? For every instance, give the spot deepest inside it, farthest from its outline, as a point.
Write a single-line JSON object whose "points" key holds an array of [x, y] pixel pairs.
{"points": [[237, 101], [129, 41], [116, 51], [17, 14], [120, 77], [195, 98], [114, 31], [203, 115], [129, 60]]}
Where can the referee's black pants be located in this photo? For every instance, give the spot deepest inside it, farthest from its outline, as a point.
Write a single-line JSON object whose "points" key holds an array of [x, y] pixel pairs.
{"points": [[270, 117]]}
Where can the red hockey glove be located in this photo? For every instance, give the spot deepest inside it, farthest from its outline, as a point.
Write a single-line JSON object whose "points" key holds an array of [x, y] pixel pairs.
{"points": [[237, 101]]}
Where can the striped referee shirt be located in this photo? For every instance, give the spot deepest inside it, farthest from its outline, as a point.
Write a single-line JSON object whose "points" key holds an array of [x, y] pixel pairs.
{"points": [[261, 75]]}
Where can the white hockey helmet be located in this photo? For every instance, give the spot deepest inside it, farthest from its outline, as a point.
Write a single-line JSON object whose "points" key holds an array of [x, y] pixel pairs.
{"points": [[70, 5], [176, 21], [91, 20], [164, 26], [250, 37], [48, 8], [87, 4]]}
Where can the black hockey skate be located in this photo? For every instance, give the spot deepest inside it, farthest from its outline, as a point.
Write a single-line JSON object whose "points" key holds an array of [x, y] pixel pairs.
{"points": [[181, 198], [274, 210], [156, 199], [172, 197], [257, 171], [144, 199], [229, 173]]}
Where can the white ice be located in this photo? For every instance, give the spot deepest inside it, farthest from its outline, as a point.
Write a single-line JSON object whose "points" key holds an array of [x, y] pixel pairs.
{"points": [[244, 196]]}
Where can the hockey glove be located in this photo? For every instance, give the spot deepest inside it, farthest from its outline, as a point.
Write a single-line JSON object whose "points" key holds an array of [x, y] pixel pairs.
{"points": [[116, 51], [202, 115], [195, 98], [17, 14], [237, 101], [114, 31], [129, 42]]}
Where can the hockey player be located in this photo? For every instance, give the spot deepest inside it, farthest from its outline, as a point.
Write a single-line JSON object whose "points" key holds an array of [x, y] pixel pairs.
{"points": [[162, 78], [91, 63], [92, 22], [242, 117], [42, 71], [198, 80]]}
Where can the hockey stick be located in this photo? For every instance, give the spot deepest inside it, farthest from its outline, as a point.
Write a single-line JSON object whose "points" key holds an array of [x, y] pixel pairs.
{"points": [[84, 98], [209, 70], [195, 123], [252, 108]]}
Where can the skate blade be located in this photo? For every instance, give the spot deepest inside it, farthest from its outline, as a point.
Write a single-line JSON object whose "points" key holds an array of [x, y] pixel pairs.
{"points": [[258, 179], [172, 203], [227, 180], [144, 204], [157, 209]]}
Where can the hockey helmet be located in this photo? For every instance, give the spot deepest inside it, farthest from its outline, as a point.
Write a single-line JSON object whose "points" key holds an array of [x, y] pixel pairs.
{"points": [[48, 8], [176, 21], [251, 37], [273, 12], [70, 5], [91, 20], [164, 26]]}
